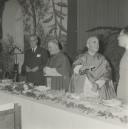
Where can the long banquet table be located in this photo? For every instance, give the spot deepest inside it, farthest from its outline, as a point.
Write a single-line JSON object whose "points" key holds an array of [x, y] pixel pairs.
{"points": [[42, 115]]}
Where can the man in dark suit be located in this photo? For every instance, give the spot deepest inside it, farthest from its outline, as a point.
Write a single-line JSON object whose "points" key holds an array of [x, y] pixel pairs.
{"points": [[35, 60]]}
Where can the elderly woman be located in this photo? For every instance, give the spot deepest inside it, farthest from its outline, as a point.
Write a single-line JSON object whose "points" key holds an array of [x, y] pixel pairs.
{"points": [[122, 89], [58, 68], [92, 73]]}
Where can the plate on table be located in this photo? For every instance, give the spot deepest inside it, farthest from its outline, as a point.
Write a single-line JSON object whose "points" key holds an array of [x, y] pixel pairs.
{"points": [[112, 102], [74, 96], [42, 88], [5, 82]]}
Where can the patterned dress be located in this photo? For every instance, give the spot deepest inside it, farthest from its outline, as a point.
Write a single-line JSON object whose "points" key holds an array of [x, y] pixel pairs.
{"points": [[100, 71]]}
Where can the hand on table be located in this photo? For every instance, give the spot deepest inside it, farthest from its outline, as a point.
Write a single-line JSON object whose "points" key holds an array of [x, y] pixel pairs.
{"points": [[83, 70], [35, 69], [46, 69], [28, 69]]}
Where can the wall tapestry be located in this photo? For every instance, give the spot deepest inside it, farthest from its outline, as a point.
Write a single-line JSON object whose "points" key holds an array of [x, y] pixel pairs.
{"points": [[46, 18]]}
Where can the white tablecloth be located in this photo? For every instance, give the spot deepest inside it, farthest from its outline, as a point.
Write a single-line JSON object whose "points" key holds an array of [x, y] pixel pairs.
{"points": [[36, 115]]}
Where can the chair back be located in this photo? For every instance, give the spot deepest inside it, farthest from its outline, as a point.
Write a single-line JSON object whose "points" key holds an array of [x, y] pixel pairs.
{"points": [[10, 116]]}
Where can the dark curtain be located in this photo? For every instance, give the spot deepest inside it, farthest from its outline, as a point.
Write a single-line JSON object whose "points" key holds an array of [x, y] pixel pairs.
{"points": [[72, 28]]}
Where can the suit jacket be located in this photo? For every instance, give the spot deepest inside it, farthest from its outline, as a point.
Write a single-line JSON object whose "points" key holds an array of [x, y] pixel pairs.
{"points": [[32, 59]]}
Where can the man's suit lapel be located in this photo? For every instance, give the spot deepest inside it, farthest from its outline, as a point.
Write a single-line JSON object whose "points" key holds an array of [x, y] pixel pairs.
{"points": [[37, 51]]}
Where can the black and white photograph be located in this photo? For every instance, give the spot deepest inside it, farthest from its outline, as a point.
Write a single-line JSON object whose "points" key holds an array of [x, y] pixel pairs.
{"points": [[63, 64]]}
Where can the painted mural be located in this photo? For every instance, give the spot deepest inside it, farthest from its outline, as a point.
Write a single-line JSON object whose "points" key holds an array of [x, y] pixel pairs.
{"points": [[46, 18]]}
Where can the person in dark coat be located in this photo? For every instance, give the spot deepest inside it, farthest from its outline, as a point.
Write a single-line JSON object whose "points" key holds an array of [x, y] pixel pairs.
{"points": [[35, 60]]}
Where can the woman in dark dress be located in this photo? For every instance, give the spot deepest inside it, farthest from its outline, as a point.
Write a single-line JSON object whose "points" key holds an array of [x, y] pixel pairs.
{"points": [[58, 68]]}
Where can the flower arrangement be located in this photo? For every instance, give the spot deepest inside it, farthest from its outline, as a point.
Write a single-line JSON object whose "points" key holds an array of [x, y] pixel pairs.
{"points": [[8, 55], [8, 59], [86, 107]]}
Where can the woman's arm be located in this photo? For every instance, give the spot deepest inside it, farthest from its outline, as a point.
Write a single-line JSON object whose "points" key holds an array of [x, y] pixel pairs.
{"points": [[51, 72]]}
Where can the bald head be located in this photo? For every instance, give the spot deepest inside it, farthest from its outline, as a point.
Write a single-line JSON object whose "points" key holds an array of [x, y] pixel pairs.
{"points": [[93, 44]]}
